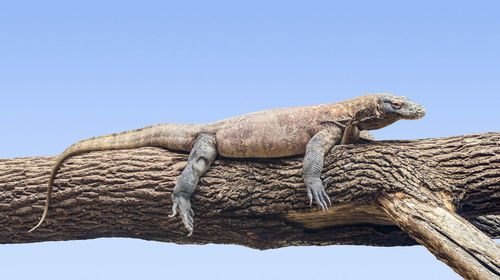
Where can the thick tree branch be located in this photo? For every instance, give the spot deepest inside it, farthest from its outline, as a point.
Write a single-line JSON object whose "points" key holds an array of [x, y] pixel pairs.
{"points": [[260, 203], [449, 237]]}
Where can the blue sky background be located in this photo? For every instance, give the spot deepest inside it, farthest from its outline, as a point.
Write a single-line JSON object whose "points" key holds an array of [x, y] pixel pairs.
{"points": [[71, 70]]}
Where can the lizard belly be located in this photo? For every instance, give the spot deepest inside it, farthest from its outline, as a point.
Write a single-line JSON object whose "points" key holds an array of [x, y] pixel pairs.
{"points": [[261, 141]]}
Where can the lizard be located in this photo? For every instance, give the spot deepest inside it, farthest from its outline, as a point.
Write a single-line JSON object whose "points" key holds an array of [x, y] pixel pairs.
{"points": [[309, 130]]}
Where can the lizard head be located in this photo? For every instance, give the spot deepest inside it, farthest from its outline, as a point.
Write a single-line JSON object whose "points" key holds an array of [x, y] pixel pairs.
{"points": [[388, 108]]}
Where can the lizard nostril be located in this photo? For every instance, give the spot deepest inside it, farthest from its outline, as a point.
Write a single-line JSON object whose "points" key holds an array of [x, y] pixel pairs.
{"points": [[421, 110]]}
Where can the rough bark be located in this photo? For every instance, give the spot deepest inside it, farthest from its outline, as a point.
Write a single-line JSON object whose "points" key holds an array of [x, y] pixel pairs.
{"points": [[262, 203]]}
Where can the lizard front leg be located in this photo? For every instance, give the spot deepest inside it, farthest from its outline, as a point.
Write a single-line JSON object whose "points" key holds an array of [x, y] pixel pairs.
{"points": [[316, 149], [201, 157]]}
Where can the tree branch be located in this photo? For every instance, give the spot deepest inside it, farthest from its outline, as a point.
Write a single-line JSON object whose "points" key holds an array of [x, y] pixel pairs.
{"points": [[450, 238], [259, 203]]}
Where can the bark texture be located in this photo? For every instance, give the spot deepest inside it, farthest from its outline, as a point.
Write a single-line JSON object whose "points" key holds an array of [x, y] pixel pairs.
{"points": [[262, 203]]}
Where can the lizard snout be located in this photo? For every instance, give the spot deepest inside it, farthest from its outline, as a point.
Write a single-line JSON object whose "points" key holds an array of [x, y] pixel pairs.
{"points": [[420, 111], [412, 111]]}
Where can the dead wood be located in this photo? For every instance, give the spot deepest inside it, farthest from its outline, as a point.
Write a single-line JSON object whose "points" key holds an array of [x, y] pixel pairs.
{"points": [[262, 203]]}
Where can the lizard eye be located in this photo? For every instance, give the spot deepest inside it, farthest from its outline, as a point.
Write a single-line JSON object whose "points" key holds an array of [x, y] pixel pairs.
{"points": [[396, 104]]}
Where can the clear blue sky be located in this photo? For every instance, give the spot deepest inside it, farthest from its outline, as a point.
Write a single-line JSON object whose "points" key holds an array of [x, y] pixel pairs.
{"points": [[71, 70]]}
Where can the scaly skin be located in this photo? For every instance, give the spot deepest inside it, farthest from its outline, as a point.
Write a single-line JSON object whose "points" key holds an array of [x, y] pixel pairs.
{"points": [[309, 130]]}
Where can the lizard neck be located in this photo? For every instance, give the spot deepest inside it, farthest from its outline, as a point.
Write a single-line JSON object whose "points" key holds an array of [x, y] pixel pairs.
{"points": [[356, 112], [365, 113]]}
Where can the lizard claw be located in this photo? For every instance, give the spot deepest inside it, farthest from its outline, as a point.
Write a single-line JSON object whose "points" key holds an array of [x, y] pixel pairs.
{"points": [[185, 211], [325, 183], [187, 219], [174, 209], [316, 190], [326, 180], [309, 194]]}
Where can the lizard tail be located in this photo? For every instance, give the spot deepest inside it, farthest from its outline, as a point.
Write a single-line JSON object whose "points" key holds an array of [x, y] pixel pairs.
{"points": [[49, 192], [171, 136]]}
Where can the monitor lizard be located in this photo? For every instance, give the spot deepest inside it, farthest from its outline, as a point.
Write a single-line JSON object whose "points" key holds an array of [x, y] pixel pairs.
{"points": [[309, 130]]}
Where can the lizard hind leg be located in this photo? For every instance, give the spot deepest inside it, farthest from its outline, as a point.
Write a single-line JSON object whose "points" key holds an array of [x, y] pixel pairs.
{"points": [[201, 157]]}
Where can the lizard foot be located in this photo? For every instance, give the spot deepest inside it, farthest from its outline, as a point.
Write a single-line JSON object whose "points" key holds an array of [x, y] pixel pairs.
{"points": [[185, 211], [316, 190]]}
